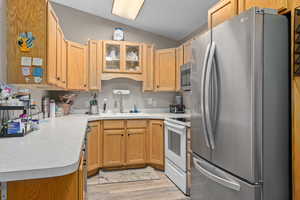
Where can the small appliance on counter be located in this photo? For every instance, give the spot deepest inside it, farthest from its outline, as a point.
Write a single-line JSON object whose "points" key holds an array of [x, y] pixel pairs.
{"points": [[178, 107], [94, 107]]}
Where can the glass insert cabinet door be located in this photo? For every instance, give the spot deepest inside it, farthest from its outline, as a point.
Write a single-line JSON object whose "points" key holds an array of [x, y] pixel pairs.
{"points": [[112, 57], [133, 59]]}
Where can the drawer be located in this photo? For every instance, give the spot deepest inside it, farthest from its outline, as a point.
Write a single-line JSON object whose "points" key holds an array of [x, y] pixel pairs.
{"points": [[113, 124], [136, 123]]}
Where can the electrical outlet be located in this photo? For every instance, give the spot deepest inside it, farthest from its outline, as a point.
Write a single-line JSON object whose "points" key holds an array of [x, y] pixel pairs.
{"points": [[149, 101], [154, 103]]}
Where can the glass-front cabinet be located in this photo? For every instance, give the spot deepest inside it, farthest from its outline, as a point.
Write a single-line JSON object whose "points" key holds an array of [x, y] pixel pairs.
{"points": [[122, 57], [112, 56], [133, 58]]}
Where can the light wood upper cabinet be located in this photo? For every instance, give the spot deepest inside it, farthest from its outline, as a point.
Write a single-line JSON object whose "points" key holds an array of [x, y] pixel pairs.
{"points": [[133, 57], [279, 5], [94, 146], [135, 146], [165, 70], [52, 46], [77, 66], [148, 65], [64, 63], [61, 65], [113, 148], [179, 62], [156, 142], [113, 56], [221, 12], [122, 57], [94, 68], [187, 52]]}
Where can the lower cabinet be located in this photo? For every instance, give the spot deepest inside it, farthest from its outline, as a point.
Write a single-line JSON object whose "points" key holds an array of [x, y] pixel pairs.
{"points": [[94, 144], [113, 148], [125, 143], [156, 143], [135, 146], [59, 188]]}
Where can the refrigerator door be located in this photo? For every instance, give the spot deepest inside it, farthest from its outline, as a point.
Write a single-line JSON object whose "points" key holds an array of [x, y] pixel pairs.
{"points": [[200, 142], [211, 183], [238, 62]]}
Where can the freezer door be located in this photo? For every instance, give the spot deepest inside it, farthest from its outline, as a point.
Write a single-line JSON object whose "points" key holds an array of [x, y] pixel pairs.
{"points": [[237, 46], [200, 142], [211, 183]]}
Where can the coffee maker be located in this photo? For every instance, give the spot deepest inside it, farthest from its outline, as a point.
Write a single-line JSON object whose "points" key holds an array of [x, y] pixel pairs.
{"points": [[178, 106]]}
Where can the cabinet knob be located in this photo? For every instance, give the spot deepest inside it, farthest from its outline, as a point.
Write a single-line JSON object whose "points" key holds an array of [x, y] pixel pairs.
{"points": [[58, 78], [84, 85], [157, 86]]}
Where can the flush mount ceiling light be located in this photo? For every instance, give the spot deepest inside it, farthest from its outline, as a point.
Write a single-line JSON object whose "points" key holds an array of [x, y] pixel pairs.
{"points": [[127, 8]]}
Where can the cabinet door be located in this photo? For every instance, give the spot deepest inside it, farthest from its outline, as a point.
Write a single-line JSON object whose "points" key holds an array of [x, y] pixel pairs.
{"points": [[63, 76], [165, 70], [296, 138], [77, 66], [187, 49], [113, 148], [156, 142], [95, 58], [135, 147], [275, 4], [51, 46], [179, 62], [148, 67], [60, 66], [93, 146], [112, 56], [133, 57], [61, 188], [81, 181], [221, 12]]}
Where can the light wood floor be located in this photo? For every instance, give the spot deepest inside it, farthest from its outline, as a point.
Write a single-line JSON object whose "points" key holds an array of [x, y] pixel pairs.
{"points": [[162, 189]]}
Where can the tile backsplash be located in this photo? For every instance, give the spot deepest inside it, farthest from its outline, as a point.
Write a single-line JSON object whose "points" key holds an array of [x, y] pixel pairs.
{"points": [[143, 100]]}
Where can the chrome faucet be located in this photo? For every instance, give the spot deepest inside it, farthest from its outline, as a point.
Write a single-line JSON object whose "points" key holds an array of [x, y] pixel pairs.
{"points": [[121, 93], [121, 106]]}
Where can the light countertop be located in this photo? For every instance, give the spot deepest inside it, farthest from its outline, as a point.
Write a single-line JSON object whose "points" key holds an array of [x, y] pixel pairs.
{"points": [[54, 149]]}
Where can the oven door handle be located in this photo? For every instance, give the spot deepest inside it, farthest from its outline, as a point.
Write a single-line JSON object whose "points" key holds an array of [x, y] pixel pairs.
{"points": [[175, 126]]}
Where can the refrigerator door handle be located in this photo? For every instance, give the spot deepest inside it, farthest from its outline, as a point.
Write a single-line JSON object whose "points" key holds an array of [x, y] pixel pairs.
{"points": [[207, 95], [203, 78], [218, 178]]}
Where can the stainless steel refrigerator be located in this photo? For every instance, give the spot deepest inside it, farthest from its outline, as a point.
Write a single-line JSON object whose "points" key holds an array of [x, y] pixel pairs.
{"points": [[241, 109]]}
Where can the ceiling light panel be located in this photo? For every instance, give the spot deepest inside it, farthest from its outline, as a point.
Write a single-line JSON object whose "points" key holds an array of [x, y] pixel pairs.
{"points": [[127, 8]]}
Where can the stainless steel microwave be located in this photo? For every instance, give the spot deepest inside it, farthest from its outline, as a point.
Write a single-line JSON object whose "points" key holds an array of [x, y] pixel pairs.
{"points": [[186, 77]]}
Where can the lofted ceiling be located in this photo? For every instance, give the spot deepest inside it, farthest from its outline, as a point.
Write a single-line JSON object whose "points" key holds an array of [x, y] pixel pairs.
{"points": [[174, 19]]}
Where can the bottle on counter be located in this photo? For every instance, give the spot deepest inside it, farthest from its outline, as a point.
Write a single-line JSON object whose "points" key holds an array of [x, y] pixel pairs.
{"points": [[52, 108]]}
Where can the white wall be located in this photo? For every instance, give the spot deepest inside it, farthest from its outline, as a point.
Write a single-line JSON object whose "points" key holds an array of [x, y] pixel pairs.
{"points": [[79, 26]]}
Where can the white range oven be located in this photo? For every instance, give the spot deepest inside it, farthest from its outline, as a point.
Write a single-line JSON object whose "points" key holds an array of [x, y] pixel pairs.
{"points": [[176, 153]]}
